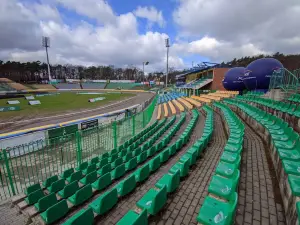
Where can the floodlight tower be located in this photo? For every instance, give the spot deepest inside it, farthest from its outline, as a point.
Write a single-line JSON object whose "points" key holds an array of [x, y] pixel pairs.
{"points": [[144, 64], [167, 46], [46, 44]]}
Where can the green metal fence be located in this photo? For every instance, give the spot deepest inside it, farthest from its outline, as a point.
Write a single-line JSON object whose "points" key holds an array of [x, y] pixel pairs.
{"points": [[284, 79], [24, 165]]}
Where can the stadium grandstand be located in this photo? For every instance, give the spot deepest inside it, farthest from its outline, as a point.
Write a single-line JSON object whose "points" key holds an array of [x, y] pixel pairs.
{"points": [[9, 85], [221, 157], [207, 76]]}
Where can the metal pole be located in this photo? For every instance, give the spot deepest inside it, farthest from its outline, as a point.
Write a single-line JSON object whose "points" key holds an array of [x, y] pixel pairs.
{"points": [[167, 66], [144, 70], [49, 75]]}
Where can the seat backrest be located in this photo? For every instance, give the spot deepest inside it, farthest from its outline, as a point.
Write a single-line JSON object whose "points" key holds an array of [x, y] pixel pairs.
{"points": [[67, 173], [70, 189], [47, 201]]}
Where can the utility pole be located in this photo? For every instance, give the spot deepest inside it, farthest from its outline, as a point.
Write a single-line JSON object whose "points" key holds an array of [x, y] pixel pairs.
{"points": [[144, 64], [46, 44], [167, 46]]}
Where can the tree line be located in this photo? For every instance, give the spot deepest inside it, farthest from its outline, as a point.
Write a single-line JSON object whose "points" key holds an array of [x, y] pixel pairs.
{"points": [[36, 72]]}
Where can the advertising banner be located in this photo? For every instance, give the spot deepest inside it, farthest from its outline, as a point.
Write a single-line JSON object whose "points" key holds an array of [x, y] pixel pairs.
{"points": [[10, 108], [53, 133], [36, 102], [13, 102], [96, 99], [29, 97], [89, 124]]}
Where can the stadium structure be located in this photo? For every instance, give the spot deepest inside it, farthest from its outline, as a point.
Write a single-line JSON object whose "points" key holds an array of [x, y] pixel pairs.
{"points": [[200, 153], [207, 76]]}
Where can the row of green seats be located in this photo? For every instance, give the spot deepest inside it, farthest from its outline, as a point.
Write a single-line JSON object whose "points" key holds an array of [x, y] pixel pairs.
{"points": [[106, 201], [286, 107], [154, 200], [53, 184], [294, 98], [77, 196], [56, 211], [254, 93], [220, 204], [285, 146]]}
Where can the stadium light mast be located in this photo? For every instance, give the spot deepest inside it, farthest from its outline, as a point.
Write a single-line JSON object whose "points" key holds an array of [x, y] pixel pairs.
{"points": [[167, 46], [46, 44], [144, 64]]}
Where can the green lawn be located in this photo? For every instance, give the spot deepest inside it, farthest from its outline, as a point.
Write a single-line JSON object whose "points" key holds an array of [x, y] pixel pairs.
{"points": [[59, 103]]}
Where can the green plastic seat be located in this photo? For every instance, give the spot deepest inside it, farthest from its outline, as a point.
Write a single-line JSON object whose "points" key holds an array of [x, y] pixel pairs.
{"points": [[127, 157], [89, 178], [50, 180], [82, 166], [172, 149], [142, 157], [217, 212], [151, 151], [104, 155], [171, 181], [131, 164], [153, 200], [164, 155], [123, 153], [136, 152], [293, 155], [84, 216], [56, 186], [142, 173], [113, 151], [228, 170], [154, 163], [89, 169], [67, 173], [179, 144], [113, 157], [133, 218], [69, 190], [76, 176], [32, 188], [294, 183], [193, 152], [94, 160], [81, 195], [223, 187], [291, 167], [158, 147], [117, 162], [126, 186], [102, 182], [118, 172], [55, 212], [45, 202], [102, 163], [183, 165], [231, 158], [104, 170], [105, 202], [145, 146], [34, 197]]}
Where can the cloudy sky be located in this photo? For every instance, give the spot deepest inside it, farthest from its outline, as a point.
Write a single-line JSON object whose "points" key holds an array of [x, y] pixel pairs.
{"points": [[128, 32]]}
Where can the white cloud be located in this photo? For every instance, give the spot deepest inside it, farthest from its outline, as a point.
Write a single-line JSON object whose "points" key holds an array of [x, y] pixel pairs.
{"points": [[216, 50], [239, 28], [151, 14], [117, 43], [94, 9]]}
